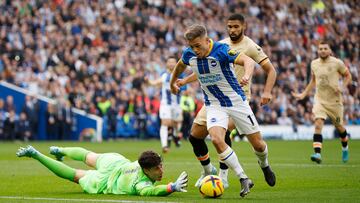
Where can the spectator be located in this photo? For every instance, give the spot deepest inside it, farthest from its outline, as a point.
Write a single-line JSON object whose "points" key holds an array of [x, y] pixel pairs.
{"points": [[9, 104], [92, 51], [9, 125], [23, 128], [284, 119], [52, 127], [187, 105], [31, 109]]}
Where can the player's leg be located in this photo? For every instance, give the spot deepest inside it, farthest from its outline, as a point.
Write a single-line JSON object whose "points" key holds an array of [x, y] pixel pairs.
{"points": [[166, 123], [75, 153], [335, 113], [59, 168], [197, 137], [223, 172], [320, 115], [317, 140], [217, 121], [261, 151], [177, 121], [200, 149], [165, 128]]}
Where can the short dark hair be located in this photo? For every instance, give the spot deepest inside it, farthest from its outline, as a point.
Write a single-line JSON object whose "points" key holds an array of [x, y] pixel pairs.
{"points": [[149, 159], [195, 31], [237, 16], [172, 57], [325, 41]]}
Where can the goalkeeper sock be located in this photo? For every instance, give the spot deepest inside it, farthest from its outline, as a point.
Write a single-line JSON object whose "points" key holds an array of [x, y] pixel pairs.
{"points": [[76, 153], [57, 167], [229, 158], [263, 157]]}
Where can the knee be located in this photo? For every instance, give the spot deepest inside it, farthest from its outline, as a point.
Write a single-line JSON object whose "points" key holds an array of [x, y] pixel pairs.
{"points": [[259, 145], [216, 140], [198, 132], [259, 148]]}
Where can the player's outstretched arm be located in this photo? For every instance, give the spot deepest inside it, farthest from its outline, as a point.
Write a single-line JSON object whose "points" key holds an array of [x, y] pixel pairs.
{"points": [[179, 68], [269, 84], [162, 190], [189, 79], [309, 87], [156, 82], [249, 65]]}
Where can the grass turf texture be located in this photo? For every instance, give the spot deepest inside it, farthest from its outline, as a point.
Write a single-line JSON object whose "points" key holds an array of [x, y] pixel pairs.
{"points": [[298, 179]]}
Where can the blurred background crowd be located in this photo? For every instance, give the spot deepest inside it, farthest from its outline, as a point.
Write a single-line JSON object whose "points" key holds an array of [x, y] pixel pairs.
{"points": [[94, 55]]}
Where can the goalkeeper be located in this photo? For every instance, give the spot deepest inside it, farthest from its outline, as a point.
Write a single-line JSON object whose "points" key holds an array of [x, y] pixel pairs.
{"points": [[114, 173]]}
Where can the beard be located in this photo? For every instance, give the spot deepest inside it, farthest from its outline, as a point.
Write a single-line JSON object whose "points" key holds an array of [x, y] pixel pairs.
{"points": [[324, 57], [235, 38]]}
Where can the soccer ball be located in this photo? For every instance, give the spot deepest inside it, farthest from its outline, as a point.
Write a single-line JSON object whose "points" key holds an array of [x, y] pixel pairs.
{"points": [[211, 186]]}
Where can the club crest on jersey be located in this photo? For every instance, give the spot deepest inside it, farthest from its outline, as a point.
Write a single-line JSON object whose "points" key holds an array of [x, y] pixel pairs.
{"points": [[213, 63], [232, 52], [213, 120]]}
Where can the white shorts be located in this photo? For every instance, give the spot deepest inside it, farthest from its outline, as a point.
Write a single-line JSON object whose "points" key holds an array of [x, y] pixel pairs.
{"points": [[242, 116], [171, 112]]}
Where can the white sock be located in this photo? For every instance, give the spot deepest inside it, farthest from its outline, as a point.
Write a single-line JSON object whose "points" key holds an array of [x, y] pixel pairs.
{"points": [[345, 148], [230, 159], [223, 173], [207, 168], [263, 157], [164, 135]]}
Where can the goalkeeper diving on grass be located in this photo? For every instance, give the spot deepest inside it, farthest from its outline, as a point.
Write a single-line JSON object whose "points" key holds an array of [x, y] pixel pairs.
{"points": [[113, 174]]}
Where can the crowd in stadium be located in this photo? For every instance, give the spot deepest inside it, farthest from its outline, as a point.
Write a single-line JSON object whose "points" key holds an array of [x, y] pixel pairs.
{"points": [[94, 55]]}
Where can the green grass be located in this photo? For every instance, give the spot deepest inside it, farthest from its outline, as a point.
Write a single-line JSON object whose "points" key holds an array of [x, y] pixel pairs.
{"points": [[298, 179]]}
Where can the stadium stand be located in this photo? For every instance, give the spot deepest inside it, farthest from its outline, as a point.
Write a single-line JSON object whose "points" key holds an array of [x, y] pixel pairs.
{"points": [[95, 54]]}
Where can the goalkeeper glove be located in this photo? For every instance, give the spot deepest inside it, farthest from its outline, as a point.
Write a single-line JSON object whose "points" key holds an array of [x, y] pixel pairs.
{"points": [[180, 184]]}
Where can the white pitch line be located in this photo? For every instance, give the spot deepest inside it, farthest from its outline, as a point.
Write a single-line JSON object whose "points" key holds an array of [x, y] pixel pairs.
{"points": [[283, 165], [76, 200]]}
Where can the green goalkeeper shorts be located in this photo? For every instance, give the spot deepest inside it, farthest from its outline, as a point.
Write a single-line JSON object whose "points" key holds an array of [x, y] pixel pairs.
{"points": [[95, 181]]}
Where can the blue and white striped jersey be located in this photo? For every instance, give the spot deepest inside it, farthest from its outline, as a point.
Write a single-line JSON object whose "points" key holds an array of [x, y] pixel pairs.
{"points": [[216, 75], [166, 97]]}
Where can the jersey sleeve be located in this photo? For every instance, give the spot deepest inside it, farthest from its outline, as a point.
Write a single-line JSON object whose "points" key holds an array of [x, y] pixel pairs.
{"points": [[186, 56], [230, 54], [341, 66], [148, 189], [255, 52]]}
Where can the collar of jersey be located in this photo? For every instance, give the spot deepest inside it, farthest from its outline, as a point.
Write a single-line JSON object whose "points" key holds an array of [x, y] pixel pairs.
{"points": [[211, 47]]}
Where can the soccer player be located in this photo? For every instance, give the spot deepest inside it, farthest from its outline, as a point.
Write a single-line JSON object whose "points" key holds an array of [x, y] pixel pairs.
{"points": [[241, 43], [325, 75], [170, 110], [224, 98], [113, 174]]}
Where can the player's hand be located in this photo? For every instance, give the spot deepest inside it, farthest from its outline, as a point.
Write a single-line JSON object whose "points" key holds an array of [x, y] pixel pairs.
{"points": [[180, 82], [244, 80], [298, 96], [174, 88], [181, 183], [339, 91], [265, 98]]}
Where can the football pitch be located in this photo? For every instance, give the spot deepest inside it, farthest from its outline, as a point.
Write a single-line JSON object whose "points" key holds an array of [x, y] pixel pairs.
{"points": [[298, 179]]}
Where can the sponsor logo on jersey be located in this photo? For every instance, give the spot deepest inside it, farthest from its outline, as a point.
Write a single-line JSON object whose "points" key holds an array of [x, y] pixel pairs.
{"points": [[213, 120], [232, 52], [213, 63]]}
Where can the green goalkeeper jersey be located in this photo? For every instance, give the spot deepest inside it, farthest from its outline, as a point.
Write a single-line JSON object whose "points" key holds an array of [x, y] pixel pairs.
{"points": [[117, 175]]}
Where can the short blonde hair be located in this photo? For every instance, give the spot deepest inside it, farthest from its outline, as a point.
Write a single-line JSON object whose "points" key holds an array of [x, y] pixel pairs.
{"points": [[195, 31]]}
